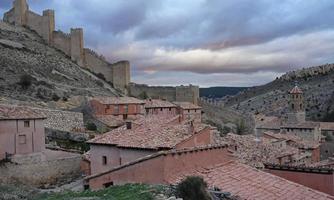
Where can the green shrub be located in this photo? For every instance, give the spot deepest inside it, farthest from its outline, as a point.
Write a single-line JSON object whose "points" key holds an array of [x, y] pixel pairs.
{"points": [[192, 188], [25, 81], [91, 126]]}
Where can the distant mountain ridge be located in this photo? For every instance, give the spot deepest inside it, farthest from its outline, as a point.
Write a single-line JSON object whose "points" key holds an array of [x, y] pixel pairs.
{"points": [[272, 98], [220, 92]]}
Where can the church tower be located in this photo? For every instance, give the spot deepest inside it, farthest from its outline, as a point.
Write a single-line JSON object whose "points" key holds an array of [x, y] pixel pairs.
{"points": [[296, 113]]}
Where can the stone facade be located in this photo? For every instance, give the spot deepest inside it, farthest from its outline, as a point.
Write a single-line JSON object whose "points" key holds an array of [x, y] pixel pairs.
{"points": [[71, 44]]}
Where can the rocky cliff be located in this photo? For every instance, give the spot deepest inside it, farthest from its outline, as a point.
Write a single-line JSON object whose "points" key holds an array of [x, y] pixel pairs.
{"points": [[31, 70], [316, 82]]}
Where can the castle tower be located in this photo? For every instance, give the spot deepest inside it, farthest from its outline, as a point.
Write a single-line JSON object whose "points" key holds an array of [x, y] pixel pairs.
{"points": [[77, 46], [296, 112], [20, 12], [48, 25]]}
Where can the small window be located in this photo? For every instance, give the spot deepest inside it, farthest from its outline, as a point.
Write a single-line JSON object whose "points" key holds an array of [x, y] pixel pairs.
{"points": [[22, 139], [26, 123], [188, 111], [120, 161], [116, 109], [160, 109], [104, 160], [170, 109], [126, 108]]}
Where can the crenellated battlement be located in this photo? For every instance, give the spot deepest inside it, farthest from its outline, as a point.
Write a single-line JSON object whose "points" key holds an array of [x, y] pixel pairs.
{"points": [[72, 44]]}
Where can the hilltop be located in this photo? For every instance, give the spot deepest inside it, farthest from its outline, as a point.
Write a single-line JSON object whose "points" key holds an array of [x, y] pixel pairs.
{"points": [[272, 98], [31, 70], [219, 92]]}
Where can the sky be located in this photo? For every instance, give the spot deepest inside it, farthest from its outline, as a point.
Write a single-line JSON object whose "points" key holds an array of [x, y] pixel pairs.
{"points": [[202, 42]]}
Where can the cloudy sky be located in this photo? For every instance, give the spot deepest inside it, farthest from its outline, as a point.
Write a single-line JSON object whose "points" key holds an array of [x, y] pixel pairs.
{"points": [[204, 42]]}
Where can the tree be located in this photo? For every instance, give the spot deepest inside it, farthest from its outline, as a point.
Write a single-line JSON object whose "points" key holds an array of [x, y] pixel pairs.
{"points": [[143, 95], [192, 188], [91, 126], [241, 127]]}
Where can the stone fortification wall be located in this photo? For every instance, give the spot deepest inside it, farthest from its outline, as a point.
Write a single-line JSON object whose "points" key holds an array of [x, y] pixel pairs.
{"points": [[71, 44], [41, 173], [156, 92], [98, 64], [121, 75], [180, 93], [62, 41]]}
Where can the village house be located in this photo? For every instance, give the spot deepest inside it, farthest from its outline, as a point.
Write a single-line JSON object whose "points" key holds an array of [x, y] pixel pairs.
{"points": [[217, 167], [189, 111], [21, 131], [143, 137], [160, 107], [305, 146], [318, 178], [112, 112]]}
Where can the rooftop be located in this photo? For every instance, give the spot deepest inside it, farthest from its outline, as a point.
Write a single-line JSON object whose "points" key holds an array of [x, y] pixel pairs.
{"points": [[249, 183], [254, 153], [296, 90], [299, 142], [118, 100], [306, 125], [157, 103], [156, 132], [19, 112], [187, 105], [110, 120]]}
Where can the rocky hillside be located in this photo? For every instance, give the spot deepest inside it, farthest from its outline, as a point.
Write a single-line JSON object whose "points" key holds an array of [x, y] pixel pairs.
{"points": [[30, 70], [316, 82]]}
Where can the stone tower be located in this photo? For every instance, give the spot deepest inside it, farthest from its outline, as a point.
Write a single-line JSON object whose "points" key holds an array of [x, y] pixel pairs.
{"points": [[296, 112], [20, 10]]}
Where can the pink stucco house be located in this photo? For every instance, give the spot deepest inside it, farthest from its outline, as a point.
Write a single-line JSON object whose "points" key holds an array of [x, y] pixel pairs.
{"points": [[21, 131], [144, 137]]}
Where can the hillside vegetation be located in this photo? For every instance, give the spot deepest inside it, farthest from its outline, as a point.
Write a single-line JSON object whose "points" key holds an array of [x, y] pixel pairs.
{"points": [[31, 70], [272, 98]]}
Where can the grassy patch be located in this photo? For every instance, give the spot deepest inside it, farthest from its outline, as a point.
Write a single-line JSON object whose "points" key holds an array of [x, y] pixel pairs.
{"points": [[124, 192]]}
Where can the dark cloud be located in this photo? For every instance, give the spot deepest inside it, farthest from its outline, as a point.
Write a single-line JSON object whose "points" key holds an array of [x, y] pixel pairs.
{"points": [[202, 37]]}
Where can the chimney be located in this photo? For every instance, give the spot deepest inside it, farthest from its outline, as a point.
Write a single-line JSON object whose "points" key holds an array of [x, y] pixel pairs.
{"points": [[128, 125]]}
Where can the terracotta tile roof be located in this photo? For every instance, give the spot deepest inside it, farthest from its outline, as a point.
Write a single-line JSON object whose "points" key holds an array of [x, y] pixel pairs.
{"points": [[109, 120], [254, 153], [249, 183], [327, 125], [296, 90], [19, 112], [118, 100], [307, 124], [324, 163], [187, 105], [299, 142], [148, 133], [157, 103]]}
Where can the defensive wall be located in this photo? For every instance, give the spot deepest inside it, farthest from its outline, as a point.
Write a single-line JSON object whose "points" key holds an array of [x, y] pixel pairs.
{"points": [[181, 93], [72, 44]]}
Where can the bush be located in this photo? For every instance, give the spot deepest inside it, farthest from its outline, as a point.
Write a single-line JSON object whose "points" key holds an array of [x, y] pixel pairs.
{"points": [[55, 97], [25, 81], [91, 126], [101, 76], [143, 95], [192, 188]]}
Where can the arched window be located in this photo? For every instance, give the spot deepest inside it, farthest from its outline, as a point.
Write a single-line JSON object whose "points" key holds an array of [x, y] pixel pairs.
{"points": [[301, 106], [293, 106]]}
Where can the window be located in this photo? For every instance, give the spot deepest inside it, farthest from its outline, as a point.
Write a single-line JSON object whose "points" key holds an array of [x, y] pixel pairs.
{"points": [[293, 106], [120, 161], [160, 109], [126, 108], [116, 109], [26, 123], [170, 109], [22, 139], [104, 160]]}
